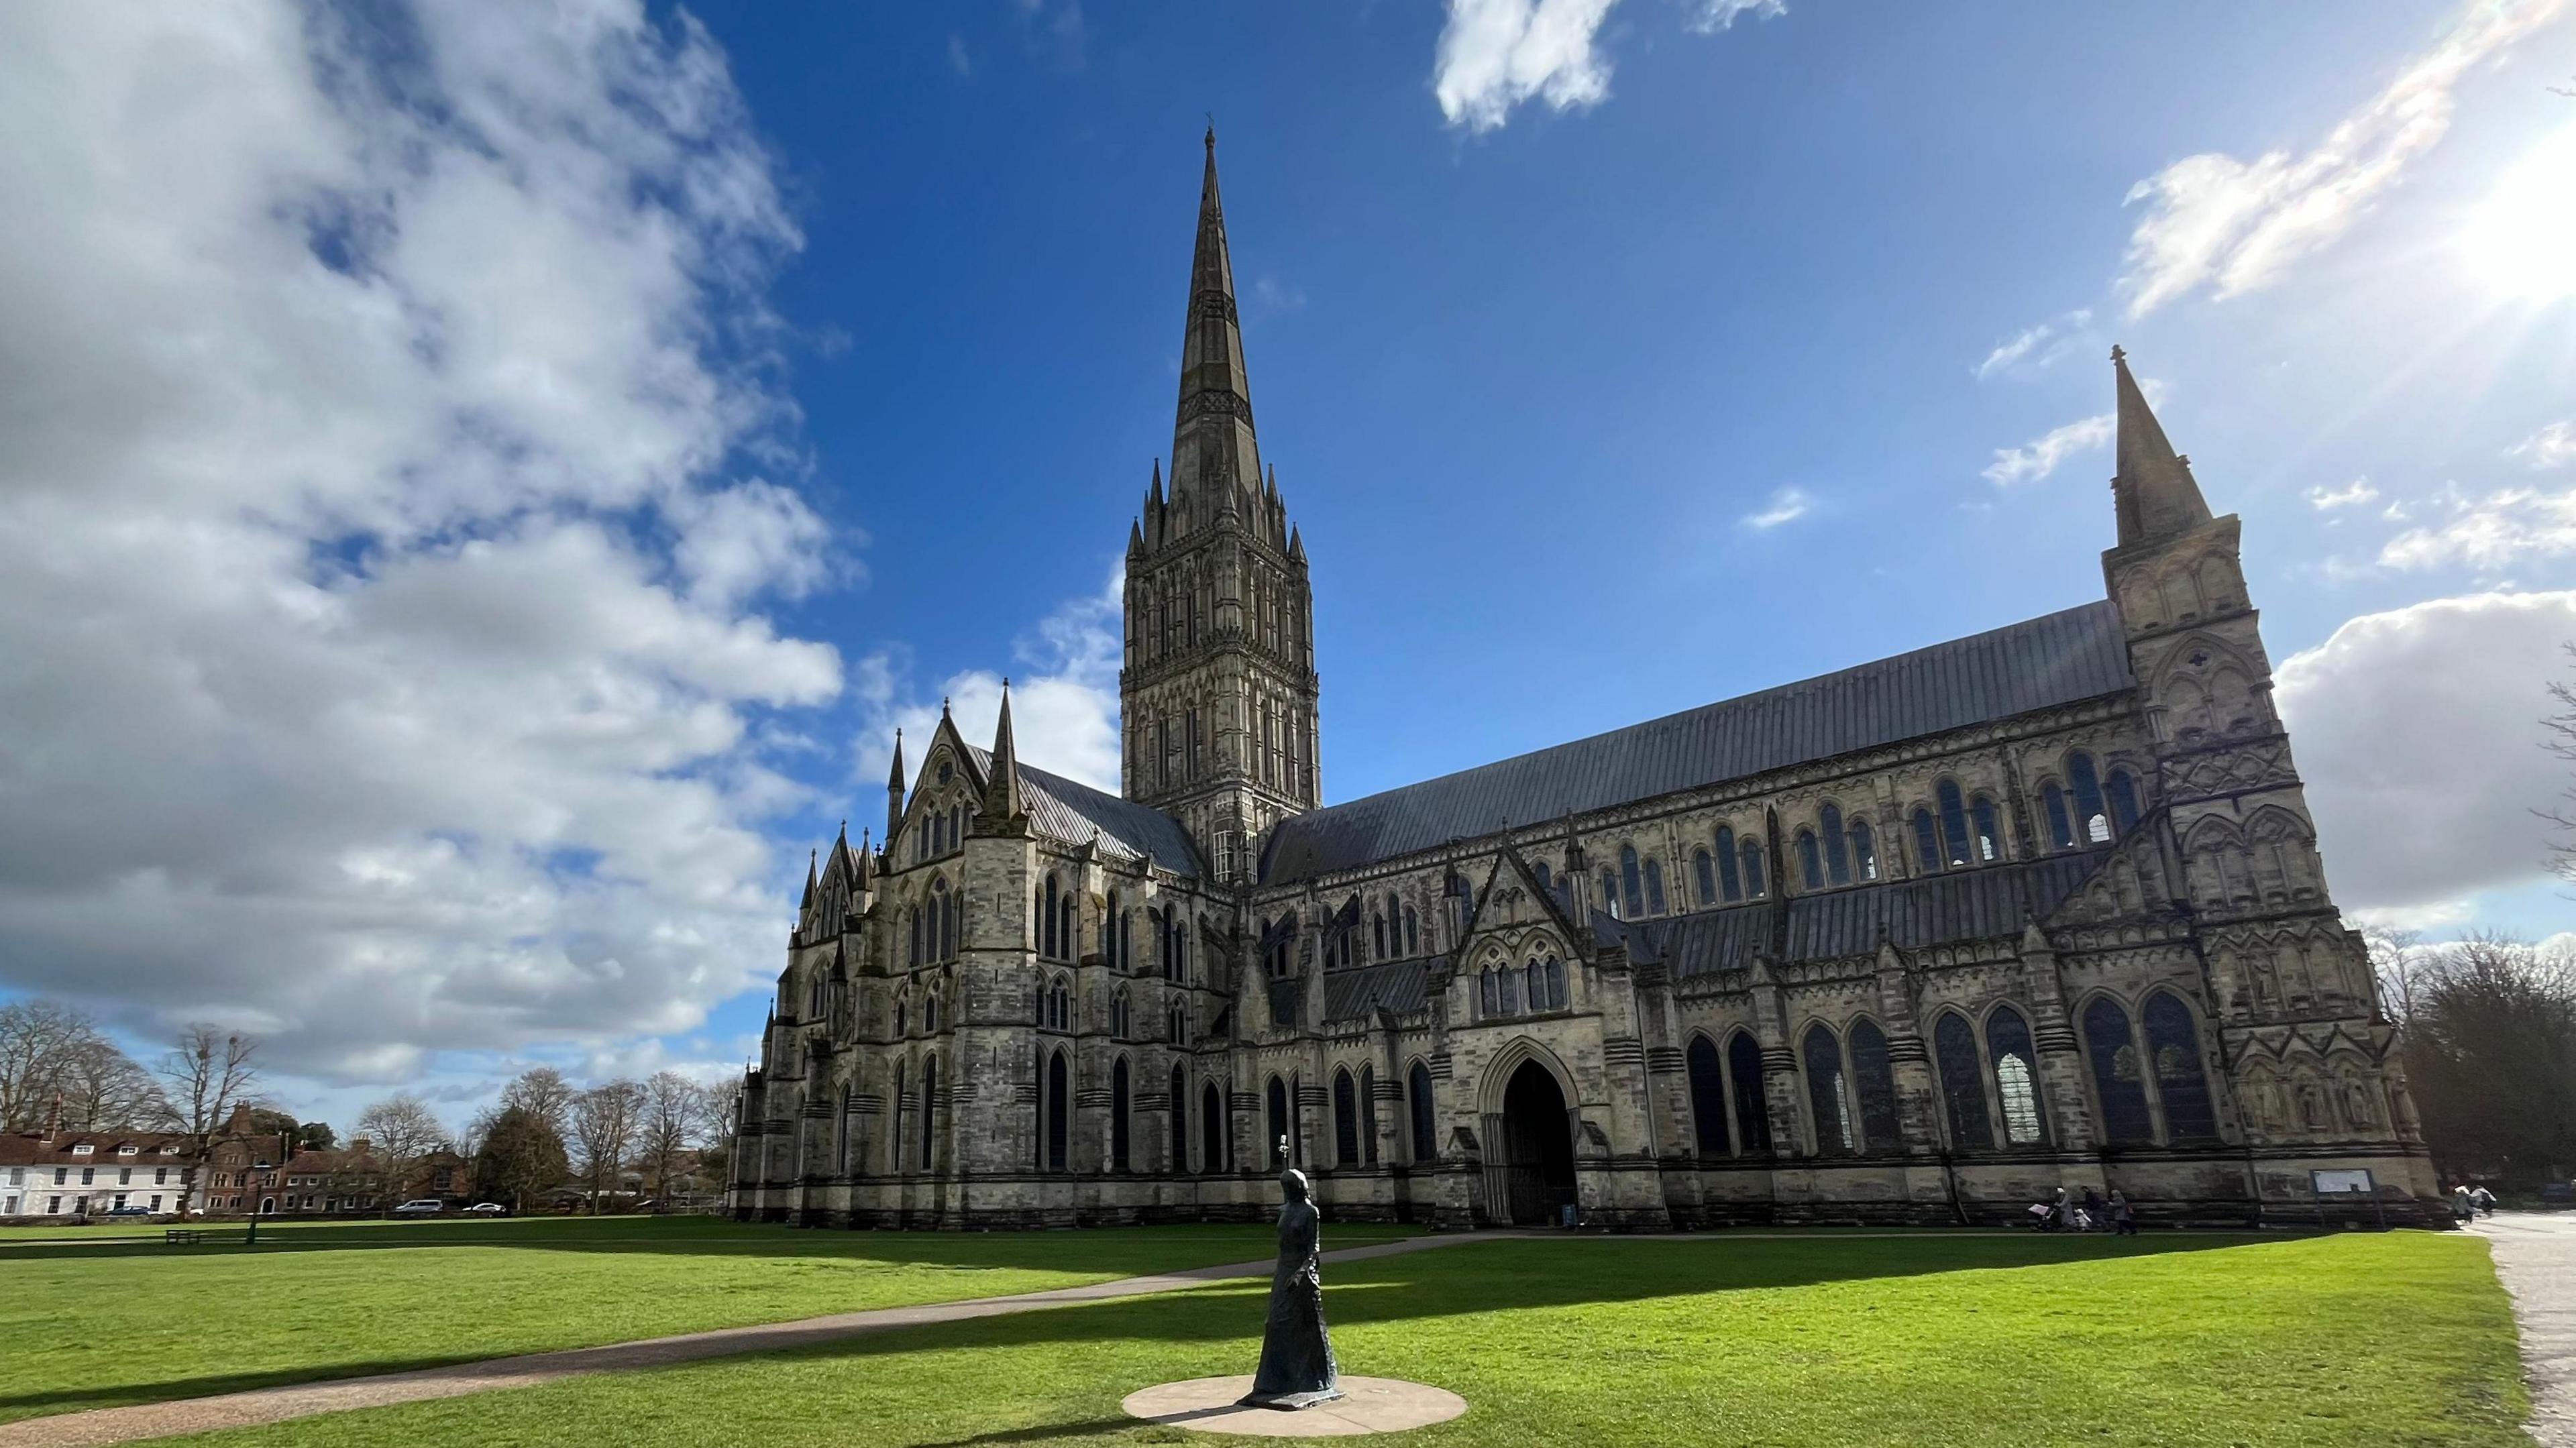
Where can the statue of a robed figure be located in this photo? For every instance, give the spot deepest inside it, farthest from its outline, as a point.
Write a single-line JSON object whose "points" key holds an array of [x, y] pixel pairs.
{"points": [[1297, 1368]]}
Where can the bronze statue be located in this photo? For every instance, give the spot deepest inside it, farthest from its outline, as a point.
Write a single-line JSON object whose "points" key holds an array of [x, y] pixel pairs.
{"points": [[1297, 1368]]}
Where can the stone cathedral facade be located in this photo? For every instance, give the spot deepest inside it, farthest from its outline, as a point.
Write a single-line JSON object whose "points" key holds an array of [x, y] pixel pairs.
{"points": [[1923, 939]]}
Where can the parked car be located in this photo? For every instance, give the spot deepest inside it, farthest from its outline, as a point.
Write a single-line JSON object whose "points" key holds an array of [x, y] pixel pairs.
{"points": [[488, 1209], [130, 1212], [421, 1207]]}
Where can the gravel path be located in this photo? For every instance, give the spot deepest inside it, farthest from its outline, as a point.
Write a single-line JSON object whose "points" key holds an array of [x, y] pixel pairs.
{"points": [[300, 1400], [2535, 1254]]}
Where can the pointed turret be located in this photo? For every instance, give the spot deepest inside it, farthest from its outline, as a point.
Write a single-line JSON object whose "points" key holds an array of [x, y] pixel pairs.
{"points": [[1002, 784], [867, 862], [808, 902], [2154, 493], [894, 793], [1296, 544]]}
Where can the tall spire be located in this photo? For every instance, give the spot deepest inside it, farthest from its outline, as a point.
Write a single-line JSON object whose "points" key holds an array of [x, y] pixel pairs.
{"points": [[1212, 444], [2153, 493], [1002, 785], [894, 793], [808, 901]]}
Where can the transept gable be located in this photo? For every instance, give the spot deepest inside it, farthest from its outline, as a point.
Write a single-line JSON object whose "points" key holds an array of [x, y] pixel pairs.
{"points": [[1513, 909]]}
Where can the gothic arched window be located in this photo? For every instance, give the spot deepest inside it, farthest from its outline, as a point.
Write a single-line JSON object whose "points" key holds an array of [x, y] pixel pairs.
{"points": [[1704, 875], [2116, 1076], [1811, 864], [1507, 989], [1059, 1110], [1346, 1121], [1963, 1082], [1632, 889], [1752, 1114], [1707, 1096], [2173, 1044], [2061, 825], [1654, 887], [929, 1112], [1180, 1120], [1730, 885], [2016, 1077], [901, 1002], [1368, 1115], [1178, 1024], [1119, 1147], [1048, 945], [1837, 858], [1546, 879], [1954, 823], [1377, 926], [1927, 842], [1212, 1122], [913, 955], [1751, 851], [1489, 994], [2091, 817], [1609, 892], [1412, 932], [2124, 801], [1278, 1104], [894, 1138], [1417, 1084], [1118, 1015], [1864, 849], [930, 1009], [1555, 984], [1828, 1095], [1990, 834], [1874, 1082]]}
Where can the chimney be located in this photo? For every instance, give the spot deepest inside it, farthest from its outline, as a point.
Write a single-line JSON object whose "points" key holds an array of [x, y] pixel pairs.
{"points": [[357, 1146], [54, 1122], [239, 1124]]}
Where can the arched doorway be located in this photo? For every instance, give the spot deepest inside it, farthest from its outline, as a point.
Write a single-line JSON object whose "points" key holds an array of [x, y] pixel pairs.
{"points": [[1538, 1148]]}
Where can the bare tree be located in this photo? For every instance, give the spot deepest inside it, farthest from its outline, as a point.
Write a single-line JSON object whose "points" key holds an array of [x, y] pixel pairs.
{"points": [[399, 1131], [2397, 963], [604, 1121], [675, 1114], [209, 1072], [105, 1089], [2561, 741], [543, 1093], [2491, 1055], [36, 1037]]}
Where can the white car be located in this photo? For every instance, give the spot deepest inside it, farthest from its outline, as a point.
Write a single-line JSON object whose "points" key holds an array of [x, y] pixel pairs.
{"points": [[487, 1209], [421, 1207]]}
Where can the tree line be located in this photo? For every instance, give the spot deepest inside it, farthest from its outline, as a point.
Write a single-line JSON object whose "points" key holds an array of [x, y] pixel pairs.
{"points": [[2486, 1031], [58, 1070]]}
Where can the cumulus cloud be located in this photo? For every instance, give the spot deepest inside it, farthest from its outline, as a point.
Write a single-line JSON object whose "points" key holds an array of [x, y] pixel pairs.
{"points": [[1064, 696], [2036, 348], [2489, 533], [2418, 733], [2553, 446], [2231, 226], [2040, 456], [2350, 495], [1787, 505], [1495, 54], [379, 629]]}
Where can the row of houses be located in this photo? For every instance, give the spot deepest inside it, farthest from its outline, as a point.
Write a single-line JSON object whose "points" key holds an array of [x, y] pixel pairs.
{"points": [[238, 1171]]}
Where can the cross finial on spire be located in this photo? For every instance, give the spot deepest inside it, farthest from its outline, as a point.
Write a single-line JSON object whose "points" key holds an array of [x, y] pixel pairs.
{"points": [[2119, 353]]}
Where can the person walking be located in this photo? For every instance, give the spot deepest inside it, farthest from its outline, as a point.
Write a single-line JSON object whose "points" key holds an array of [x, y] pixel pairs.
{"points": [[2124, 1218], [2094, 1217], [2066, 1210], [2484, 1200], [2463, 1205]]}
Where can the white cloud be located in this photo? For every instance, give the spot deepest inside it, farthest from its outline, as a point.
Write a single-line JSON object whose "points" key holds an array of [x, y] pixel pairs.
{"points": [[958, 60], [1277, 296], [2418, 733], [1064, 697], [1495, 54], [2553, 446], [377, 627], [1709, 15], [2036, 348], [2489, 533], [2040, 456], [1787, 505], [2232, 226], [2352, 494]]}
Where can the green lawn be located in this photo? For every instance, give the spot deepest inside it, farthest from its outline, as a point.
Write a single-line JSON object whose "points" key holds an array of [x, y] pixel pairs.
{"points": [[1810, 1342], [92, 1320]]}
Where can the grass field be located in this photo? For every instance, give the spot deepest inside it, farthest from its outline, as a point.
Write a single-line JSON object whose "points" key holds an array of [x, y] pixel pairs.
{"points": [[91, 1321], [1815, 1340]]}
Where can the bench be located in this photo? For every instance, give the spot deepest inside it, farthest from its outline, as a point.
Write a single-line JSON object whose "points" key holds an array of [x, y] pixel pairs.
{"points": [[183, 1236]]}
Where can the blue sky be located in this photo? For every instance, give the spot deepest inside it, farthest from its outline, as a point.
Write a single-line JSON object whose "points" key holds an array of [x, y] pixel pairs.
{"points": [[1615, 355]]}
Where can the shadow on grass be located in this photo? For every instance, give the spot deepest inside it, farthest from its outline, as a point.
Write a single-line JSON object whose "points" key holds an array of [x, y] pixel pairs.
{"points": [[1043, 1433], [14, 1406]]}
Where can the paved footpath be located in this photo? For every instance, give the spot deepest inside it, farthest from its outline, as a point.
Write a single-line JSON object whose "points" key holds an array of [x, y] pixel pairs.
{"points": [[2535, 1254], [303, 1400]]}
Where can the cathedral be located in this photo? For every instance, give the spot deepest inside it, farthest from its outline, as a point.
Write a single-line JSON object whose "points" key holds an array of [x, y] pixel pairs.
{"points": [[1920, 940]]}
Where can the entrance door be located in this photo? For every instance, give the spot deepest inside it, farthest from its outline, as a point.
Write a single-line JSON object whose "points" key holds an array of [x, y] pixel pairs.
{"points": [[1538, 1145]]}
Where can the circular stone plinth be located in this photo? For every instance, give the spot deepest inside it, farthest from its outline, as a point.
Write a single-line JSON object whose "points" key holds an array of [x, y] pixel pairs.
{"points": [[1367, 1405]]}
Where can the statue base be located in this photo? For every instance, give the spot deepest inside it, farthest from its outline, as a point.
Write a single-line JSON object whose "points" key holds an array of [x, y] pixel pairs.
{"points": [[1364, 1405], [1288, 1402]]}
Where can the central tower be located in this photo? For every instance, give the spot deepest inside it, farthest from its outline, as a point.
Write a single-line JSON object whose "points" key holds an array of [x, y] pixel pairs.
{"points": [[1217, 698]]}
